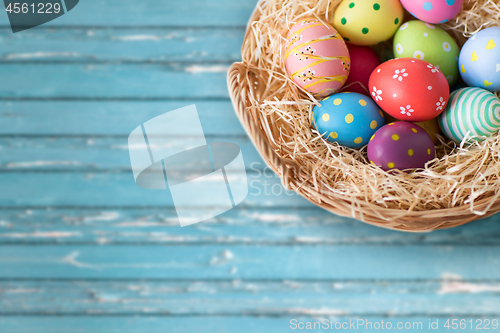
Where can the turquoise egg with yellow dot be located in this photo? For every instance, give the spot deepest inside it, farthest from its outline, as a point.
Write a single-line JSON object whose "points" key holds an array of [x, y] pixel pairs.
{"points": [[349, 119]]}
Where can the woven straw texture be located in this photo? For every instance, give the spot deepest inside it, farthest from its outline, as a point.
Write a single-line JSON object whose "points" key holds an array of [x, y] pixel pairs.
{"points": [[461, 185]]}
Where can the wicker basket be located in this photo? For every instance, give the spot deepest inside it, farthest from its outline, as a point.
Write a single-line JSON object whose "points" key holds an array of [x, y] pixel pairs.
{"points": [[242, 78]]}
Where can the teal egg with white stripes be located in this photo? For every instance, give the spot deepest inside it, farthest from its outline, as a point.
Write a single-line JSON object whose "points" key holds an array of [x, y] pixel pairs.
{"points": [[471, 112]]}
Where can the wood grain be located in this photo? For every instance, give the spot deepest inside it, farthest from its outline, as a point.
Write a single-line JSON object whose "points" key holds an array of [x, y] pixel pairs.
{"points": [[114, 81], [83, 249], [240, 226], [189, 324], [96, 153], [268, 262], [95, 45], [153, 13], [118, 189], [94, 118], [253, 298]]}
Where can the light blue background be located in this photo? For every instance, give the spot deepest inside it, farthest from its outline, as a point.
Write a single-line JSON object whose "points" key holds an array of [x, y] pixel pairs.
{"points": [[83, 249]]}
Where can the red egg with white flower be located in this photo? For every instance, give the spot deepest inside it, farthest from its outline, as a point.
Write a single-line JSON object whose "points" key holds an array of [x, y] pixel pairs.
{"points": [[410, 89]]}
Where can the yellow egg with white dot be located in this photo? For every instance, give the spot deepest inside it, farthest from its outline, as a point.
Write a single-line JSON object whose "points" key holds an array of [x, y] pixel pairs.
{"points": [[349, 119], [368, 22]]}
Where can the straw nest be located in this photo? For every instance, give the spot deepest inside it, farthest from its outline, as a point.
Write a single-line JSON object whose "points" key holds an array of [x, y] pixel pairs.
{"points": [[460, 185]]}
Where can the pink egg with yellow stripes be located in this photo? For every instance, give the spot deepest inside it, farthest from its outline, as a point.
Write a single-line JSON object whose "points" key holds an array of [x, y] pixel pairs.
{"points": [[316, 57]]}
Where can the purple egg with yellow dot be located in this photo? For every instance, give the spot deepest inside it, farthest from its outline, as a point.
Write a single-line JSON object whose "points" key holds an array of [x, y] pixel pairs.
{"points": [[350, 119], [401, 145]]}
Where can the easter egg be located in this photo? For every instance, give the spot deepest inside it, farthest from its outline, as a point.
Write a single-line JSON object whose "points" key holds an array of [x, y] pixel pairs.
{"points": [[350, 119], [409, 89], [480, 60], [316, 57], [472, 112], [430, 126], [401, 145], [433, 11], [363, 62], [424, 41], [368, 22]]}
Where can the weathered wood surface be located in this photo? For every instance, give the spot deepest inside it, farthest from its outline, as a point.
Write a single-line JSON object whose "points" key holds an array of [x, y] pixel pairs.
{"points": [[335, 262], [115, 81], [240, 226], [252, 298], [95, 45], [97, 153], [137, 324], [152, 13], [118, 189], [93, 118], [83, 249]]}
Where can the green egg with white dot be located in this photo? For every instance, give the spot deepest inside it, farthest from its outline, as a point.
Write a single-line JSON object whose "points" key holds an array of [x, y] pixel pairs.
{"points": [[424, 41], [349, 119]]}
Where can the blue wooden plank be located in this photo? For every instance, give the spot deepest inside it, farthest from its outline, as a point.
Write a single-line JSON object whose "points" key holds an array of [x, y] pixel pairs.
{"points": [[112, 13], [252, 226], [107, 117], [195, 324], [251, 298], [119, 189], [126, 45], [93, 154], [195, 262], [129, 81], [159, 226]]}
